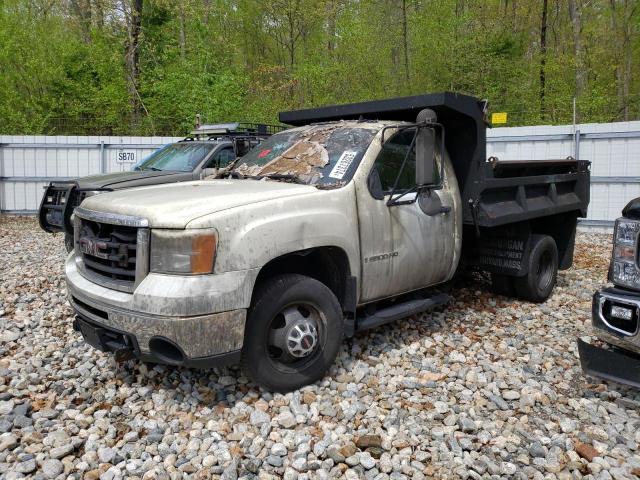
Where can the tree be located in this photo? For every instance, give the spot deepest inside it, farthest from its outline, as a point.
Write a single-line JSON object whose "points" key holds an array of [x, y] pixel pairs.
{"points": [[133, 15], [543, 56], [140, 67]]}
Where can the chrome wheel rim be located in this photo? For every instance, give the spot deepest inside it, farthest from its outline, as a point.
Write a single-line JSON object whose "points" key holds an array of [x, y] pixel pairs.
{"points": [[295, 335]]}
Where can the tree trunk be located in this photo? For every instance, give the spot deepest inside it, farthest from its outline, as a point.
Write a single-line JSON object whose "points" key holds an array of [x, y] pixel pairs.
{"points": [[331, 26], [82, 10], [575, 14], [183, 35], [543, 57], [132, 59], [623, 31], [405, 40]]}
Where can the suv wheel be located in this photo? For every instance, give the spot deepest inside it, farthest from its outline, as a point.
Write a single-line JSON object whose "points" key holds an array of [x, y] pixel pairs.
{"points": [[538, 283], [68, 242], [293, 333]]}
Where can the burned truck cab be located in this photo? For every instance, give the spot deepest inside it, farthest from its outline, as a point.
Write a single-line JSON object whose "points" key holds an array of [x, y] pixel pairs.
{"points": [[616, 310]]}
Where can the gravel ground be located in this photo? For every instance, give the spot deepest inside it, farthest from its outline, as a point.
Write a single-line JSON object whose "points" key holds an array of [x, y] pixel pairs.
{"points": [[489, 388]]}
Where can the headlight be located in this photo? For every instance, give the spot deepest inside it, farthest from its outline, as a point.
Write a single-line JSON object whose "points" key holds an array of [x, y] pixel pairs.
{"points": [[624, 270], [626, 232], [183, 251]]}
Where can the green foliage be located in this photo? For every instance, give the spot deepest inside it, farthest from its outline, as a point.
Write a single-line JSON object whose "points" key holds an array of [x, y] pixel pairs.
{"points": [[63, 67]]}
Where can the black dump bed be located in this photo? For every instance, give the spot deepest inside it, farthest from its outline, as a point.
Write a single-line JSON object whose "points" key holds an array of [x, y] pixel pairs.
{"points": [[494, 193]]}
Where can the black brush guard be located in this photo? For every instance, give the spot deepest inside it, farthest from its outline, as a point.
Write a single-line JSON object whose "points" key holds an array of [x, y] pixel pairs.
{"points": [[57, 205]]}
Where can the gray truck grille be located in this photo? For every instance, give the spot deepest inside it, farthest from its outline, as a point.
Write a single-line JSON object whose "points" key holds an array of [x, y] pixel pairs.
{"points": [[111, 253], [109, 250]]}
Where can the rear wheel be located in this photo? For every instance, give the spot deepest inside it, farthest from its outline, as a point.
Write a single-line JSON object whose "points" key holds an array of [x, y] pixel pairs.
{"points": [[542, 270], [293, 333]]}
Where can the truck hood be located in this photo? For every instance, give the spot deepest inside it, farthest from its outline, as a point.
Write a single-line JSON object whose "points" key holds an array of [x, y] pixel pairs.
{"points": [[130, 179], [175, 205]]}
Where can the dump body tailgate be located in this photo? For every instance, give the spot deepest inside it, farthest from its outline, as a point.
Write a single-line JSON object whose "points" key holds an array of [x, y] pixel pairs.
{"points": [[513, 191]]}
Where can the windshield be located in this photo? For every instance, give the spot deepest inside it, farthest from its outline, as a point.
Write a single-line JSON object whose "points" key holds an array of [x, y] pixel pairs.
{"points": [[315, 155], [181, 157]]}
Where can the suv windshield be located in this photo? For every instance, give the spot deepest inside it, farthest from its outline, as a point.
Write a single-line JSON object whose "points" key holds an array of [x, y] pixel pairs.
{"points": [[315, 155], [181, 157]]}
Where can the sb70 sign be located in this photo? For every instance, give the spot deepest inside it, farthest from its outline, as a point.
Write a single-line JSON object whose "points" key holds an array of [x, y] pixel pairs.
{"points": [[126, 156]]}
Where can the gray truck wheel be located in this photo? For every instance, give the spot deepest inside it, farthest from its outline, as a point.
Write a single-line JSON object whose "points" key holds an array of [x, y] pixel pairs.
{"points": [[293, 332], [68, 242], [538, 283]]}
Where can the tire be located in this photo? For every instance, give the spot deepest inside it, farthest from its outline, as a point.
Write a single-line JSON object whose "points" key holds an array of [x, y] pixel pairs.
{"points": [[503, 285], [542, 270], [68, 242], [274, 353]]}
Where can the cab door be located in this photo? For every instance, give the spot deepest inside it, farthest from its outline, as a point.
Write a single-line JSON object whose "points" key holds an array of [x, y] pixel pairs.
{"points": [[411, 245]]}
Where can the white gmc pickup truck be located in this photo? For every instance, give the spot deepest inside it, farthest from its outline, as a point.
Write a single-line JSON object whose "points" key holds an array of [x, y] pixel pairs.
{"points": [[341, 224]]}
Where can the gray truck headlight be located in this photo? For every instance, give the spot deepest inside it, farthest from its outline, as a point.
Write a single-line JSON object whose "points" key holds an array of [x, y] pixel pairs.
{"points": [[624, 267], [190, 252]]}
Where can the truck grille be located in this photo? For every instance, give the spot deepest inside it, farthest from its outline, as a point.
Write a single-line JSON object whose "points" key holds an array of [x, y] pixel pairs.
{"points": [[111, 250]]}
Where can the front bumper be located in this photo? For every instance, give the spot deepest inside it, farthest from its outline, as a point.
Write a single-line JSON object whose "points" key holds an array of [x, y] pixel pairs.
{"points": [[125, 346], [619, 366], [621, 362], [199, 320]]}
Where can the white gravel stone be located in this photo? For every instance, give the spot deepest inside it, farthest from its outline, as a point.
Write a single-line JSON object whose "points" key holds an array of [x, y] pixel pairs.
{"points": [[278, 449], [258, 417], [485, 386], [62, 451], [106, 454], [52, 468], [286, 420]]}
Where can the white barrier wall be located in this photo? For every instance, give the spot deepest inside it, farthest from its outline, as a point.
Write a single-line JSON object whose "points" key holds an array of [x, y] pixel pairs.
{"points": [[612, 148], [28, 163]]}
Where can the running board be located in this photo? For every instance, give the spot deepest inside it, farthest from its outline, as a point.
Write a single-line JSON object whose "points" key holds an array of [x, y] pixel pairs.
{"points": [[401, 310]]}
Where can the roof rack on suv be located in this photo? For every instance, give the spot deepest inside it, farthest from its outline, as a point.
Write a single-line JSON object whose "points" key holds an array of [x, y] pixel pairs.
{"points": [[236, 129]]}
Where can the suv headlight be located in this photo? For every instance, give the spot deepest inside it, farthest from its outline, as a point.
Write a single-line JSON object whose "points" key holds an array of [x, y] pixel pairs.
{"points": [[190, 252], [624, 268]]}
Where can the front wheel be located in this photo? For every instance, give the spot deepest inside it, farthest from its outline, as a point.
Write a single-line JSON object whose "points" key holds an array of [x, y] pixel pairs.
{"points": [[293, 332]]}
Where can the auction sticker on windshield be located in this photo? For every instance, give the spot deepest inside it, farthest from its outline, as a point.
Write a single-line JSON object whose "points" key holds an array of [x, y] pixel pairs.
{"points": [[342, 165]]}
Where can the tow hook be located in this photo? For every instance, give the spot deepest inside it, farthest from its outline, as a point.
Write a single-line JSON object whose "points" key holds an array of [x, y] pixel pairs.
{"points": [[123, 354]]}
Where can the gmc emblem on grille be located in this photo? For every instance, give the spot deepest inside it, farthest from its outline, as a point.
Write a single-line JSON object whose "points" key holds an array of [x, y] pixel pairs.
{"points": [[93, 248]]}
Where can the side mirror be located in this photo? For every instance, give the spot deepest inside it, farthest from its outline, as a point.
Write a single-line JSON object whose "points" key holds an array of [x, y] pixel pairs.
{"points": [[208, 172], [425, 148]]}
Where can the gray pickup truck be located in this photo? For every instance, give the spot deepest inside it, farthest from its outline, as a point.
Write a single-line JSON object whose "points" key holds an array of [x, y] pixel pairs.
{"points": [[350, 220], [209, 148], [615, 310]]}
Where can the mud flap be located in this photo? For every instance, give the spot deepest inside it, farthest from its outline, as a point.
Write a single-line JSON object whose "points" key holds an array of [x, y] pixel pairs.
{"points": [[609, 365]]}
